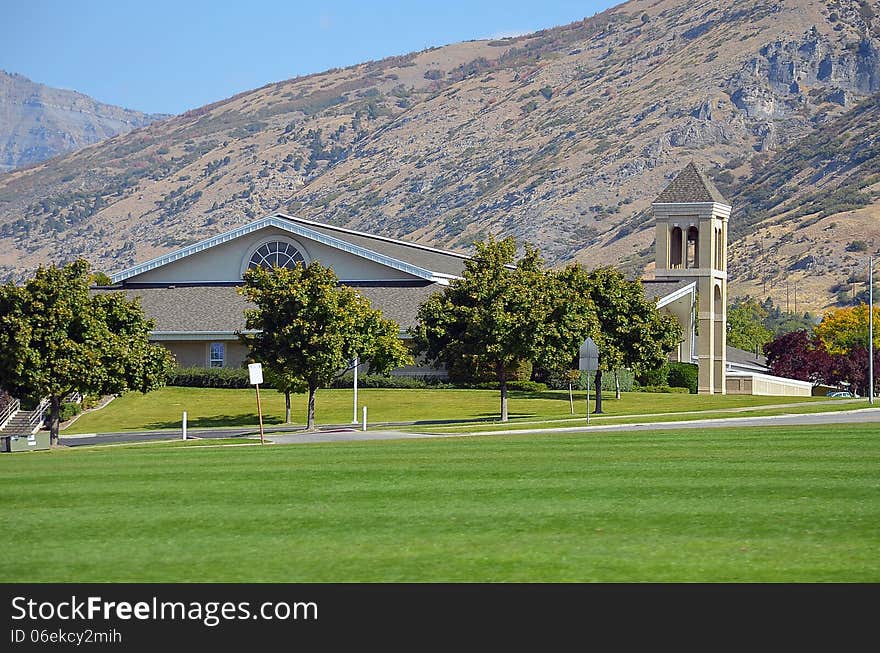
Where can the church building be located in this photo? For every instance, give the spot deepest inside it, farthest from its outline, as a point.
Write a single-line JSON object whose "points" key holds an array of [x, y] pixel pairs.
{"points": [[191, 293]]}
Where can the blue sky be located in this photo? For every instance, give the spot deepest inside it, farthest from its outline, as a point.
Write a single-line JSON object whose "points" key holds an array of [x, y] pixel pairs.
{"points": [[168, 57]]}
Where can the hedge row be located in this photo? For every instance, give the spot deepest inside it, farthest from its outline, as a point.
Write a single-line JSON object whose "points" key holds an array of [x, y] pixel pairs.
{"points": [[225, 377], [661, 388], [211, 377], [677, 375]]}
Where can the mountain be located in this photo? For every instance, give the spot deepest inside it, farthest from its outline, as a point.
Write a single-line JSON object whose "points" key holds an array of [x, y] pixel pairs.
{"points": [[562, 138], [38, 122]]}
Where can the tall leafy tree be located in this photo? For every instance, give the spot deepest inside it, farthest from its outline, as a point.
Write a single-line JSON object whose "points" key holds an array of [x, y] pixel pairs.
{"points": [[797, 355], [845, 329], [745, 326], [631, 331], [309, 327], [502, 313], [55, 338]]}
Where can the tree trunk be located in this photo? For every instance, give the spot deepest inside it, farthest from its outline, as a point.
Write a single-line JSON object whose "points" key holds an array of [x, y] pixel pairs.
{"points": [[598, 392], [616, 385], [502, 380], [54, 419], [311, 421], [287, 406]]}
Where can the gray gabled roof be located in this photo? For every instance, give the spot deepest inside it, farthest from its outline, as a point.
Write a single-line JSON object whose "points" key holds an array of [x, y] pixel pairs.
{"points": [[430, 258], [220, 308], [691, 185]]}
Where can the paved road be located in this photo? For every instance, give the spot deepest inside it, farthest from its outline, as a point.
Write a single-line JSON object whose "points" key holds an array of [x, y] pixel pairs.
{"points": [[295, 435]]}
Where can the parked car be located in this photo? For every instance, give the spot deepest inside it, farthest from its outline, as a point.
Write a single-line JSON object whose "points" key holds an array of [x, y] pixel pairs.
{"points": [[840, 394]]}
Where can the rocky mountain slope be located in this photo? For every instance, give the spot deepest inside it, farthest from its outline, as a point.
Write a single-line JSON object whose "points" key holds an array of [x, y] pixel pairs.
{"points": [[562, 138], [38, 122]]}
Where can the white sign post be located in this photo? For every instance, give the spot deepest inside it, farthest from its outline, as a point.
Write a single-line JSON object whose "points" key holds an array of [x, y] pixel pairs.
{"points": [[183, 425], [589, 362], [255, 372], [354, 414]]}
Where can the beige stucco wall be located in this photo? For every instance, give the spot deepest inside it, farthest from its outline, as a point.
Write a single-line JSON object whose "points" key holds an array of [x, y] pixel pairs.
{"points": [[224, 262], [766, 385], [194, 353], [682, 310]]}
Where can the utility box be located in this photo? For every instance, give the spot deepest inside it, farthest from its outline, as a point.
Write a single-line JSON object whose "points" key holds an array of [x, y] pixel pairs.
{"points": [[15, 443]]}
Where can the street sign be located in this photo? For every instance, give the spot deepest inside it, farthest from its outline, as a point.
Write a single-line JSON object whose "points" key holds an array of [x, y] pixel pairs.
{"points": [[255, 371], [589, 356]]}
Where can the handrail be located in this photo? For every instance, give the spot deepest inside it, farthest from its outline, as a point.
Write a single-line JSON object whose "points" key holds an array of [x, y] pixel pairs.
{"points": [[39, 413], [74, 397], [8, 411]]}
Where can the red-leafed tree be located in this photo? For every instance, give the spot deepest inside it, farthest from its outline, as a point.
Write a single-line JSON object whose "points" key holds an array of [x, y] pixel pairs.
{"points": [[796, 355]]}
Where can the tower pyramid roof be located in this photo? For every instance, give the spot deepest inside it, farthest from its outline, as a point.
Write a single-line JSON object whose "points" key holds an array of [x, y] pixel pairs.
{"points": [[691, 185]]}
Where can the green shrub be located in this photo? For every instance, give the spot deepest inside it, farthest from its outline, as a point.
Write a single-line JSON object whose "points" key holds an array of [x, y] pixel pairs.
{"points": [[468, 372], [379, 381], [526, 386], [626, 377], [69, 411], [661, 388], [211, 377], [658, 376], [683, 375], [857, 246]]}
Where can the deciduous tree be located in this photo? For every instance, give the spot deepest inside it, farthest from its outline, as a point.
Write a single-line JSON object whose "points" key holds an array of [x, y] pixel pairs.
{"points": [[501, 313], [745, 326], [309, 328], [844, 329], [631, 332], [56, 338]]}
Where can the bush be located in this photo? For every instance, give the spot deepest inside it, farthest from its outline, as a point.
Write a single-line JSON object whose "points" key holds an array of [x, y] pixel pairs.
{"points": [[857, 246], [661, 388], [69, 411], [626, 377], [558, 381], [379, 381], [526, 386], [465, 371], [656, 377], [683, 375], [211, 377]]}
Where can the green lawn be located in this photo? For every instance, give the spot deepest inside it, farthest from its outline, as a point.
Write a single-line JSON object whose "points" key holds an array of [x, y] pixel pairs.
{"points": [[596, 420], [772, 504], [207, 407]]}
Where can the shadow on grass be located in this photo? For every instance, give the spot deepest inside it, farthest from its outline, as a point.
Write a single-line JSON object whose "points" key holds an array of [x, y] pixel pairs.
{"points": [[244, 419]]}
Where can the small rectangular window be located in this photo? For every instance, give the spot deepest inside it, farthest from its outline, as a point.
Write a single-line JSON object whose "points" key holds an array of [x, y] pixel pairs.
{"points": [[217, 355]]}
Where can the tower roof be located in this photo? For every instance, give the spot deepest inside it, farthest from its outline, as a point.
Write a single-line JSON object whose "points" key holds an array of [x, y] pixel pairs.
{"points": [[691, 185]]}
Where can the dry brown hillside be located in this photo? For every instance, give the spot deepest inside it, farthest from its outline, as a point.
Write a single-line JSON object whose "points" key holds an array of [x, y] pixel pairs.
{"points": [[561, 138]]}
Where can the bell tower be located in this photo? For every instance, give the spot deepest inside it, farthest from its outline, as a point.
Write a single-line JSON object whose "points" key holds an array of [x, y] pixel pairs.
{"points": [[691, 221]]}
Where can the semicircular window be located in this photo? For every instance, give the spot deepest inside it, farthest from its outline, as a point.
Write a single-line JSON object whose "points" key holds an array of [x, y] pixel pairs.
{"points": [[276, 254]]}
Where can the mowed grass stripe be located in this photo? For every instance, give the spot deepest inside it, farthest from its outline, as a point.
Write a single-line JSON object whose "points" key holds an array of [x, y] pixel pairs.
{"points": [[777, 504]]}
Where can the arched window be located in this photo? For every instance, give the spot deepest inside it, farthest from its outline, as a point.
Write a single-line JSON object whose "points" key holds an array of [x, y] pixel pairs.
{"points": [[276, 253], [675, 248], [693, 247]]}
